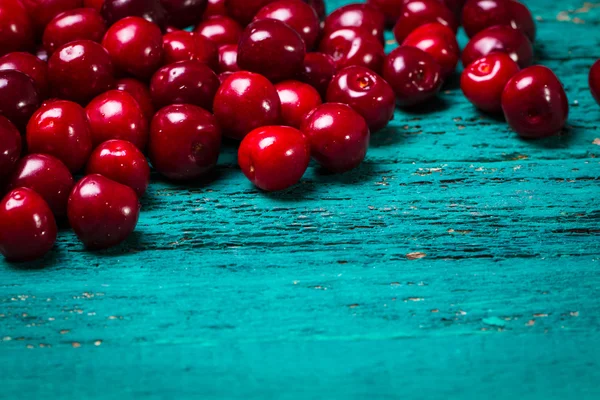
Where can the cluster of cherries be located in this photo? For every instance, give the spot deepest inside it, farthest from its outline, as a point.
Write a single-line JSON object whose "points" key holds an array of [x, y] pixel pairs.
{"points": [[96, 86]]}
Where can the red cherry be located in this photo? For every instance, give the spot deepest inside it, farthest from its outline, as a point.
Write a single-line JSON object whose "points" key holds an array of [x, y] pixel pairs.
{"points": [[117, 115], [483, 81], [19, 97], [135, 46], [224, 75], [77, 24], [214, 7], [478, 15], [189, 82], [141, 94], [228, 58], [244, 10], [353, 46], [185, 141], [41, 53], [60, 128], [42, 12], [272, 40], [456, 6], [319, 7], [319, 69], [499, 38], [414, 75], [420, 12], [184, 13], [80, 70], [27, 227], [16, 29], [594, 81], [392, 9], [10, 149], [186, 46], [522, 19], [363, 16], [274, 157], [95, 4], [30, 65], [220, 29], [47, 176], [246, 101], [439, 41], [534, 103], [338, 136], [102, 212], [122, 162], [297, 100], [150, 10]]}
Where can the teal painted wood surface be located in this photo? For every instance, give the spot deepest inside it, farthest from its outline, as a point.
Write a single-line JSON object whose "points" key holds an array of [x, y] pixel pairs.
{"points": [[457, 262]]}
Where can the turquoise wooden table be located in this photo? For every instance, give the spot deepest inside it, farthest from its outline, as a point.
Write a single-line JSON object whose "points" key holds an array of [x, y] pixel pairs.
{"points": [[457, 262]]}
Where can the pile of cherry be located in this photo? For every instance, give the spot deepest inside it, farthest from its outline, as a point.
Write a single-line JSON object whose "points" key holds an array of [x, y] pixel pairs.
{"points": [[92, 87]]}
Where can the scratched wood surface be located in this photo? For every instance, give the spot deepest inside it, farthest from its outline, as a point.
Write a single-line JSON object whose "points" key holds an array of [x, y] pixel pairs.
{"points": [[457, 262]]}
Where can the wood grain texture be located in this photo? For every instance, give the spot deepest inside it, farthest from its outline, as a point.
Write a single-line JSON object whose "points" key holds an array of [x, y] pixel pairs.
{"points": [[457, 262]]}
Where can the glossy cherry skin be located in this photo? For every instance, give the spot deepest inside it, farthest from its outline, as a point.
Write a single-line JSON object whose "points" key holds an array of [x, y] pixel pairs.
{"points": [[80, 70], [420, 12], [220, 29], [122, 162], [534, 103], [319, 69], [30, 65], [366, 92], [298, 15], [297, 100], [499, 38], [184, 82], [274, 157], [19, 97], [246, 101], [27, 227], [150, 10], [77, 24], [244, 10], [184, 13], [41, 12], [16, 29], [363, 16], [47, 176], [185, 141], [478, 15], [10, 148], [95, 4], [187, 46], [117, 115], [414, 75], [272, 40], [484, 80], [102, 212], [594, 80], [60, 128], [228, 58], [440, 42], [353, 46], [338, 136], [214, 7], [522, 19], [141, 94]]}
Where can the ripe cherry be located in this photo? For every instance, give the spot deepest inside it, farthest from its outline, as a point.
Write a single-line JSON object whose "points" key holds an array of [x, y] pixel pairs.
{"points": [[141, 94], [187, 46], [19, 97], [499, 38], [95, 4], [150, 10], [594, 81], [319, 69], [16, 29], [522, 19], [363, 16], [220, 29], [392, 9], [77, 24], [440, 42], [184, 13], [319, 6], [10, 149], [41, 12], [353, 46], [214, 7], [297, 100], [478, 15], [420, 12], [228, 58], [244, 10], [30, 65]]}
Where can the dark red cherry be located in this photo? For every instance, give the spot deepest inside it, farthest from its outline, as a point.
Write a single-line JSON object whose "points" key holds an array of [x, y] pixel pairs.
{"points": [[363, 16], [244, 10], [594, 81], [10, 149], [414, 75], [220, 29], [214, 7], [225, 75], [390, 8], [186, 46], [271, 40], [420, 12], [440, 42], [30, 65], [228, 58], [60, 128], [185, 141], [456, 6], [274, 157], [246, 101], [27, 227], [19, 97], [353, 46], [77, 24], [522, 19], [41, 12], [297, 100], [319, 7], [16, 29], [184, 82], [366, 92], [502, 39], [150, 10], [184, 13], [80, 70], [484, 80], [117, 115], [319, 69], [534, 103], [338, 136], [135, 46], [478, 15], [122, 162], [42, 54], [95, 4], [298, 15], [141, 94], [102, 212], [47, 176]]}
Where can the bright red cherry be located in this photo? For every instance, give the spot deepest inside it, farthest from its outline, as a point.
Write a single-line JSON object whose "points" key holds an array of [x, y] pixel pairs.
{"points": [[184, 82], [80, 70], [484, 80], [187, 46], [353, 46], [271, 40], [102, 212], [30, 65], [594, 81], [220, 29], [534, 103], [95, 4], [274, 157], [10, 148], [41, 12], [77, 24], [420, 12], [298, 15], [478, 15], [122, 162], [363, 16], [141, 94], [16, 29], [366, 92], [135, 46], [117, 115], [60, 128], [319, 69], [499, 38], [150, 10], [244, 10], [47, 176], [185, 141], [27, 227], [246, 101], [338, 136], [439, 41], [19, 97], [390, 8], [184, 13], [414, 75], [214, 7], [297, 100], [228, 58]]}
